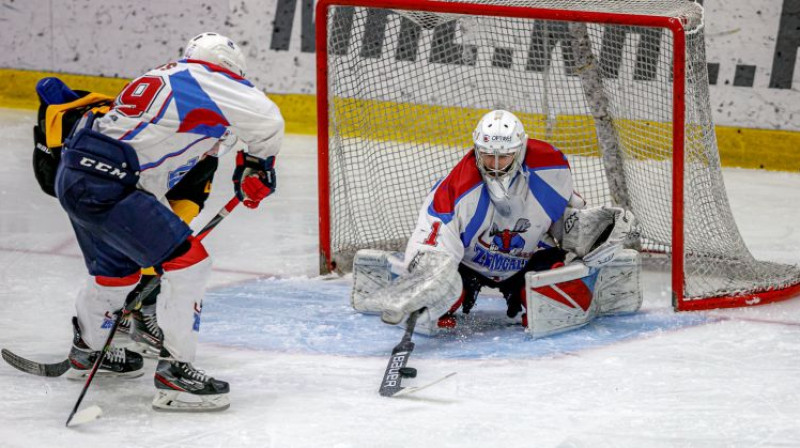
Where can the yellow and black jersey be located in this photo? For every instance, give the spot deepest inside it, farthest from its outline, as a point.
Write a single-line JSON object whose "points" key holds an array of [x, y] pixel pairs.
{"points": [[54, 124]]}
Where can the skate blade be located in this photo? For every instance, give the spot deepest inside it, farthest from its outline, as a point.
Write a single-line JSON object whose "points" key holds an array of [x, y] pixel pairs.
{"points": [[176, 401], [80, 375], [146, 350]]}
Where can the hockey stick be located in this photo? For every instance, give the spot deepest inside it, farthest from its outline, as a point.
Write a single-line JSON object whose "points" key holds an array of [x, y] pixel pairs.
{"points": [[223, 212], [35, 368], [59, 368], [396, 370], [134, 298]]}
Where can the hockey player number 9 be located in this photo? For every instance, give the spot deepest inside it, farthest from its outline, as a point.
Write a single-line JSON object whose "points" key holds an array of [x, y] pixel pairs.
{"points": [[137, 97]]}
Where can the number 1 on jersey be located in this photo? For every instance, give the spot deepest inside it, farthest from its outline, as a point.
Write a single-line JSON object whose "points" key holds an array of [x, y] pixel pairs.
{"points": [[434, 235]]}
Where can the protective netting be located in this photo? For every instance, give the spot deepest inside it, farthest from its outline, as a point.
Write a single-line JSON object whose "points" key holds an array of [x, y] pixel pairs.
{"points": [[406, 88]]}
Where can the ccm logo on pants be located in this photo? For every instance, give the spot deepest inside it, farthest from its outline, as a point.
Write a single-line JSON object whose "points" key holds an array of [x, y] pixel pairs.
{"points": [[103, 167]]}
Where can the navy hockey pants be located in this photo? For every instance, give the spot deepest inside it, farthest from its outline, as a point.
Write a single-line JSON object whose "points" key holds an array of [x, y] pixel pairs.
{"points": [[120, 229]]}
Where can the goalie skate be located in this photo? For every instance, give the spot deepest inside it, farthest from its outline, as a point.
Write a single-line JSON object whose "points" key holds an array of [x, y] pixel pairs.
{"points": [[182, 388]]}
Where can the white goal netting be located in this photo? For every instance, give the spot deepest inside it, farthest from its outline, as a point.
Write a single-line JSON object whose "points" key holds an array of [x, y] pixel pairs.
{"points": [[406, 87]]}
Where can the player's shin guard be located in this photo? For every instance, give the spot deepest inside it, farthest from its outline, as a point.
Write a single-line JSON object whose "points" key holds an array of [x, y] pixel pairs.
{"points": [[96, 303], [180, 386], [180, 304]]}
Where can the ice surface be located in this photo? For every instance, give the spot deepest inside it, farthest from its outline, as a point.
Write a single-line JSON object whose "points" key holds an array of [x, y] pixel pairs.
{"points": [[304, 368]]}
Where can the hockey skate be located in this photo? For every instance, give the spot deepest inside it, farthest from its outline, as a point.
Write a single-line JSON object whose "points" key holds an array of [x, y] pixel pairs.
{"points": [[145, 333], [118, 361], [182, 388], [124, 327]]}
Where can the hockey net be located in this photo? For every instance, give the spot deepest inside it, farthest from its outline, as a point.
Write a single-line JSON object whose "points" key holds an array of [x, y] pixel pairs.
{"points": [[401, 86]]}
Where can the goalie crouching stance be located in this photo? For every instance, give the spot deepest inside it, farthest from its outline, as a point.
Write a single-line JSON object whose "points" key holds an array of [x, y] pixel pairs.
{"points": [[506, 217]]}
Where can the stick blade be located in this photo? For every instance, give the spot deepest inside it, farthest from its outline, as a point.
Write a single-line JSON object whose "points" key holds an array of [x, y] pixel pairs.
{"points": [[35, 368], [86, 415], [405, 391]]}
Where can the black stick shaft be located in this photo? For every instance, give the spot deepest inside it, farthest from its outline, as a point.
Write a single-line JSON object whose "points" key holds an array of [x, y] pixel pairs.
{"points": [[226, 209]]}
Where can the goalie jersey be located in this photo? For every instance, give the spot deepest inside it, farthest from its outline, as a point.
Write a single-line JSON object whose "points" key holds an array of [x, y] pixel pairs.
{"points": [[176, 113], [460, 218]]}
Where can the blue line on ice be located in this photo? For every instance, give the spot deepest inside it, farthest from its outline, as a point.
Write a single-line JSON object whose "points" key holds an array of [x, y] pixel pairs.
{"points": [[312, 315]]}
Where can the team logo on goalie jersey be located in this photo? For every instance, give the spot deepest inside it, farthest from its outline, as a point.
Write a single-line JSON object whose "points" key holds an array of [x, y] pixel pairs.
{"points": [[507, 241], [503, 250]]}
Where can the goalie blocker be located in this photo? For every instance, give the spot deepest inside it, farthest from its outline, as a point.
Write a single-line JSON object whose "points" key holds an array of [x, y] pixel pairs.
{"points": [[569, 297], [382, 285]]}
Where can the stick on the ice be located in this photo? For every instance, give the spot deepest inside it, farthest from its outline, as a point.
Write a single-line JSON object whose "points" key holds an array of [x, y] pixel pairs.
{"points": [[396, 370], [33, 367], [59, 368], [141, 291]]}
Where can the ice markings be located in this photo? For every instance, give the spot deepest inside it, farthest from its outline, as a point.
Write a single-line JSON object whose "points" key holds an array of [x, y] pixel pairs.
{"points": [[302, 315]]}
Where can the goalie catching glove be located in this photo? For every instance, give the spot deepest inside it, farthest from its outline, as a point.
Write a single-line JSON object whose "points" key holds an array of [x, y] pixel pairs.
{"points": [[253, 178], [597, 234]]}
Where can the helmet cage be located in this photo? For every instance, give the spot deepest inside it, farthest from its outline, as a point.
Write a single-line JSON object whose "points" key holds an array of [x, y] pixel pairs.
{"points": [[499, 133], [496, 172]]}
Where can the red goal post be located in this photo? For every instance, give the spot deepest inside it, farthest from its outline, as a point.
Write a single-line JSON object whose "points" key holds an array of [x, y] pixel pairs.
{"points": [[369, 123]]}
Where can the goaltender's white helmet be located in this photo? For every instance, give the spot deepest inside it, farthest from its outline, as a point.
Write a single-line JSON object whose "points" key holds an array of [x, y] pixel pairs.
{"points": [[500, 133], [216, 49]]}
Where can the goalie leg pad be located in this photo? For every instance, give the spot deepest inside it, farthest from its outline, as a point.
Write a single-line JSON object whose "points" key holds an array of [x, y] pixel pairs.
{"points": [[619, 284], [560, 299]]}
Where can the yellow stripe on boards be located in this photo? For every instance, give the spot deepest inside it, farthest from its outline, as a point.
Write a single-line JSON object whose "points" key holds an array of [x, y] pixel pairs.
{"points": [[18, 87], [741, 147], [767, 149]]}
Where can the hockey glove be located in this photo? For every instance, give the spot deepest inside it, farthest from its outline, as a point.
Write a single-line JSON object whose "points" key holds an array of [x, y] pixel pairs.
{"points": [[253, 178], [623, 230]]}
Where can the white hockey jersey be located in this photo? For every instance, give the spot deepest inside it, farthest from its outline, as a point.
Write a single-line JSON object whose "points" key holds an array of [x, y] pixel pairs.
{"points": [[459, 217], [176, 113]]}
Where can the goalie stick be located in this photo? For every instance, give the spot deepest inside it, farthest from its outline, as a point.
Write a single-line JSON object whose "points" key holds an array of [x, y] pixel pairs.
{"points": [[396, 370], [135, 297], [59, 368]]}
